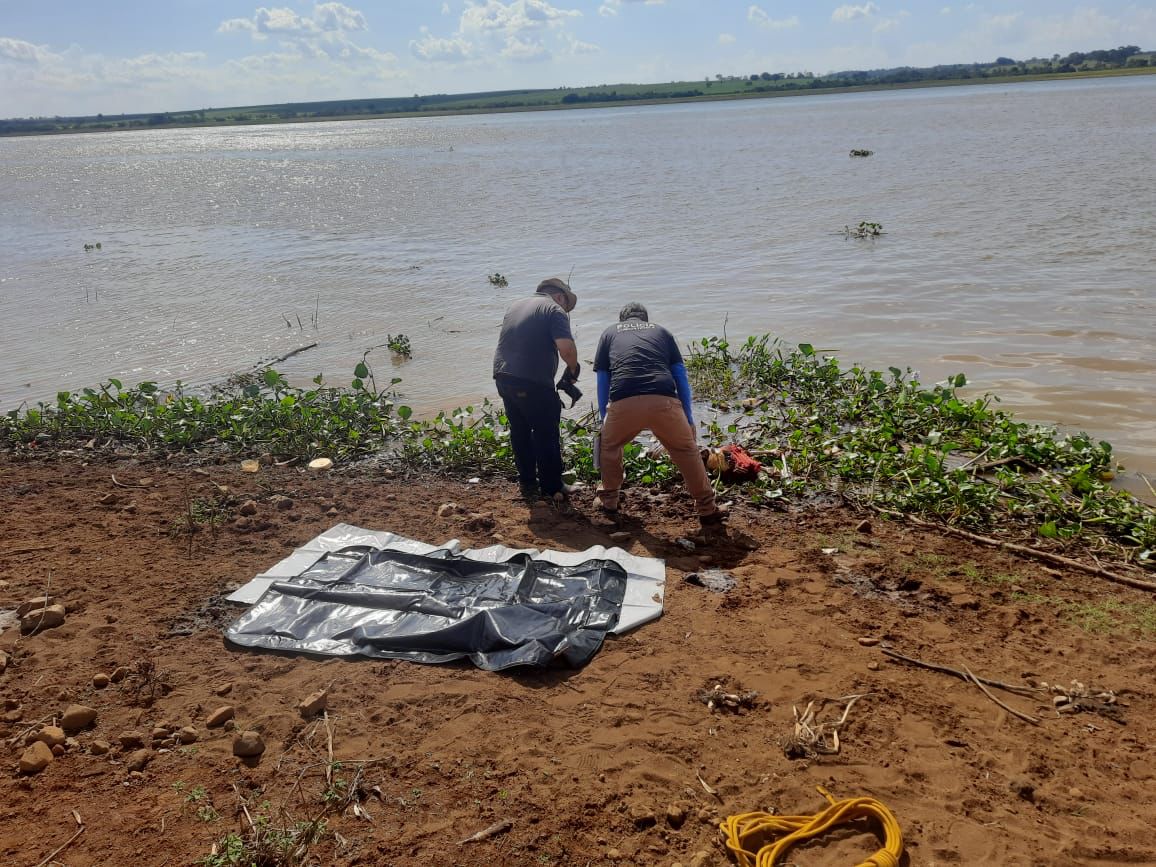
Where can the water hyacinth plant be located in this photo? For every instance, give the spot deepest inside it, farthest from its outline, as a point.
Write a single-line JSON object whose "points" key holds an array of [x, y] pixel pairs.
{"points": [[879, 440]]}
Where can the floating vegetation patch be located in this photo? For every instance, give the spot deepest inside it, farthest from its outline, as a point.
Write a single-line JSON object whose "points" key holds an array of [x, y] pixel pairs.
{"points": [[864, 230], [498, 280], [861, 152], [399, 345]]}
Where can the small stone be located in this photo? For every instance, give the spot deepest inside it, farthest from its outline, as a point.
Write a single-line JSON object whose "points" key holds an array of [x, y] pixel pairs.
{"points": [[131, 740], [873, 665], [706, 560], [4, 659], [1023, 787], [71, 744], [675, 816], [77, 717], [118, 674], [701, 858], [230, 725], [145, 482], [188, 735], [1142, 769], [220, 716], [58, 750], [282, 502], [250, 466], [320, 464], [248, 508], [139, 760], [42, 618], [314, 704], [110, 499], [863, 526], [242, 523], [248, 745], [99, 748], [620, 536], [159, 733], [223, 689], [130, 509], [51, 735], [332, 512], [867, 641], [100, 681], [642, 816], [447, 509], [11, 716], [32, 604], [1073, 792], [965, 600], [36, 758]]}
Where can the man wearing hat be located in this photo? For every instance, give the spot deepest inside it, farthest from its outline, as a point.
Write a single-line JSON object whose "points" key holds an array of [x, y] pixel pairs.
{"points": [[535, 332]]}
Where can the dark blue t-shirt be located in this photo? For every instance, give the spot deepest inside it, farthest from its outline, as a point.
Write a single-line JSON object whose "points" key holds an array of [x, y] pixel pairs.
{"points": [[638, 356], [526, 348]]}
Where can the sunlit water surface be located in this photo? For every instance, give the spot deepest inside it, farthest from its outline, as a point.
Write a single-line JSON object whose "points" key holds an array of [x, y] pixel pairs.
{"points": [[1020, 221]]}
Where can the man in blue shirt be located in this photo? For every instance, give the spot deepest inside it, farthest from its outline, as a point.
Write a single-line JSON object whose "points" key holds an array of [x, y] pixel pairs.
{"points": [[535, 332], [642, 385]]}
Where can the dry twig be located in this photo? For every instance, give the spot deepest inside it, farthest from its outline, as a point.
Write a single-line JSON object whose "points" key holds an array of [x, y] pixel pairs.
{"points": [[80, 830], [492, 831], [1025, 717]]}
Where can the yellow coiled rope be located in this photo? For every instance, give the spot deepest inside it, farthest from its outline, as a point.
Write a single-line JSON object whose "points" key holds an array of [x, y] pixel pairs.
{"points": [[761, 839]]}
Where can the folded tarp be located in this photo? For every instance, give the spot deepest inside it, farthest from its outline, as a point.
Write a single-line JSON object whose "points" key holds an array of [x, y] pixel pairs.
{"points": [[439, 606]]}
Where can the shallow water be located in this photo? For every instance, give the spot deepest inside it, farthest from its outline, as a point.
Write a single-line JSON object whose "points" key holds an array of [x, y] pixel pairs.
{"points": [[1019, 242]]}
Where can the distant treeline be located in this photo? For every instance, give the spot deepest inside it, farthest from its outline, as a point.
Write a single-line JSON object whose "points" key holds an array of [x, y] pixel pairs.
{"points": [[720, 86]]}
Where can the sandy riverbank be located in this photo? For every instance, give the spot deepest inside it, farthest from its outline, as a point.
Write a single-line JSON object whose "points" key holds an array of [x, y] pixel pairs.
{"points": [[596, 766]]}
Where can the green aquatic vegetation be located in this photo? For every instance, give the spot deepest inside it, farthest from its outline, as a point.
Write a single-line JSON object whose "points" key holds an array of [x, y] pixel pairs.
{"points": [[399, 345], [882, 439], [865, 229], [498, 280], [878, 439]]}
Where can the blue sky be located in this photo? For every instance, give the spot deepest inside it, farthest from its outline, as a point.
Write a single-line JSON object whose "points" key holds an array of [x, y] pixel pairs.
{"points": [[80, 57]]}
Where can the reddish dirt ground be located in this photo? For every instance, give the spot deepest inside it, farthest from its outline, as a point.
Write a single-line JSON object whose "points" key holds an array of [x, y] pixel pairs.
{"points": [[592, 767]]}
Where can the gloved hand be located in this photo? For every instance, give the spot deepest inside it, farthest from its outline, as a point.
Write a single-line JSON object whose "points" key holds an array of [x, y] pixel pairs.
{"points": [[574, 373], [566, 384]]}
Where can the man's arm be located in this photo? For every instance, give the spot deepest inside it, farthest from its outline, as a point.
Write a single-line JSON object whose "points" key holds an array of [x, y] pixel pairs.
{"points": [[603, 391], [569, 353], [682, 384]]}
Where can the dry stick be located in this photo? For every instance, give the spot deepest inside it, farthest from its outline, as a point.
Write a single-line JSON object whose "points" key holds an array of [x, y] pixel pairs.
{"points": [[123, 485], [945, 669], [1025, 717], [1047, 556], [67, 842], [287, 355], [15, 552]]}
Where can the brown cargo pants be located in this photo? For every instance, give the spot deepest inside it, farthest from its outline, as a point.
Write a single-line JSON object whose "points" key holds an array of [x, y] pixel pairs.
{"points": [[664, 417]]}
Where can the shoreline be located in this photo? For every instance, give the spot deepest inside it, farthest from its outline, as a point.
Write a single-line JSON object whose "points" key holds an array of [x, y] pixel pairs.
{"points": [[867, 88]]}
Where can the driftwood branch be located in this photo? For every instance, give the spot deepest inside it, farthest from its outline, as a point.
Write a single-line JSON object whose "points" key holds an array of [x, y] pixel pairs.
{"points": [[286, 356], [1025, 717], [1047, 556], [48, 858], [962, 675]]}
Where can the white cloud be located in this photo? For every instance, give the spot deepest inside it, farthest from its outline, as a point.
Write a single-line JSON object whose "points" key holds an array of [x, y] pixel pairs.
{"points": [[523, 50], [946, 10], [23, 52], [886, 24], [610, 8], [285, 23], [439, 50], [514, 30], [849, 13], [759, 16], [726, 39]]}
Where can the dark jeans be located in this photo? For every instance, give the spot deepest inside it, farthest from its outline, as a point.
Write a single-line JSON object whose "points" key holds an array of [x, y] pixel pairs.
{"points": [[534, 410]]}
